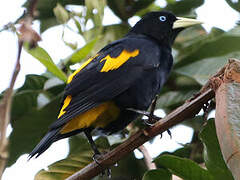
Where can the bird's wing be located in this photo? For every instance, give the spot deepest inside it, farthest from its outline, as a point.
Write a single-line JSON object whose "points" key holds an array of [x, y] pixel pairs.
{"points": [[112, 71]]}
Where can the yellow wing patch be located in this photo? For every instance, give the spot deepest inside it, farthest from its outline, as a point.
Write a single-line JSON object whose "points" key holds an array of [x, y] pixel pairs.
{"points": [[65, 104], [114, 63], [99, 116], [78, 70]]}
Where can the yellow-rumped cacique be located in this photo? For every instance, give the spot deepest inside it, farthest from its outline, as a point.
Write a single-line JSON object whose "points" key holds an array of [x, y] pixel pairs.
{"points": [[126, 74]]}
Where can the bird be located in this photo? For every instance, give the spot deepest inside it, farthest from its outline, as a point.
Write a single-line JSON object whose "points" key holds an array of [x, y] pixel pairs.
{"points": [[112, 88]]}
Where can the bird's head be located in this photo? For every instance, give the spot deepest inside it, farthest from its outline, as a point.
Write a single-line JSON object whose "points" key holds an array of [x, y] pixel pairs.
{"points": [[162, 26]]}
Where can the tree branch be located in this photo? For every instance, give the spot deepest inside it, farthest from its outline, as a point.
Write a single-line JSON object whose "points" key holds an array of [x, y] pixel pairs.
{"points": [[187, 110], [5, 107], [147, 158]]}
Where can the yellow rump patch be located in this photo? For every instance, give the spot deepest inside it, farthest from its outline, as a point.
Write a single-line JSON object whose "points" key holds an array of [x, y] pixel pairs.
{"points": [[114, 63], [78, 70], [65, 104], [99, 116]]}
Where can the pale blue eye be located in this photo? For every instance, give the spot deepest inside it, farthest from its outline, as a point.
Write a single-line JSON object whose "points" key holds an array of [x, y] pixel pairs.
{"points": [[162, 18]]}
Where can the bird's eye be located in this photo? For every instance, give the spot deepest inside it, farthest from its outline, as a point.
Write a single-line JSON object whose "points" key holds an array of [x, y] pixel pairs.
{"points": [[162, 18]]}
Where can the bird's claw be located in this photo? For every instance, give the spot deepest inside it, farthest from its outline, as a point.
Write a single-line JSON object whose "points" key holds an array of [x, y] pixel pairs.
{"points": [[151, 118], [98, 156], [169, 133]]}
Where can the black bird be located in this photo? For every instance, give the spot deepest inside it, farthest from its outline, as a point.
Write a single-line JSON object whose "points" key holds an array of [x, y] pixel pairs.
{"points": [[124, 77]]}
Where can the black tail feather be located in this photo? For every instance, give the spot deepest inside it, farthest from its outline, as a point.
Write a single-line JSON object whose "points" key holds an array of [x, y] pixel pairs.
{"points": [[52, 136], [45, 143]]}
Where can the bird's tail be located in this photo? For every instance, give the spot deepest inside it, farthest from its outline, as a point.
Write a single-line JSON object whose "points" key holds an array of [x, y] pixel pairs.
{"points": [[44, 144]]}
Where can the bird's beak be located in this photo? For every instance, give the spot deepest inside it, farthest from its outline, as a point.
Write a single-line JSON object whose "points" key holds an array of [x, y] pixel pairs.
{"points": [[185, 22]]}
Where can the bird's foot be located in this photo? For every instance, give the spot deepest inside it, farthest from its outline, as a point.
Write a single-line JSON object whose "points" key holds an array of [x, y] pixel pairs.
{"points": [[151, 120], [97, 158], [151, 117]]}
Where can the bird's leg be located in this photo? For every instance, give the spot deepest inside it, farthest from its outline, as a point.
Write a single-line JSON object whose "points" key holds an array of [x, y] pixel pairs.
{"points": [[92, 143], [151, 117], [97, 154], [146, 113], [152, 109]]}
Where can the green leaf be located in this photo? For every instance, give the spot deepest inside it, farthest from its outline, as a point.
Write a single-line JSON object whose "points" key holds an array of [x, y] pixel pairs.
{"points": [[212, 153], [61, 14], [184, 168], [183, 6], [216, 44], [202, 70], [95, 12], [190, 36], [62, 169], [110, 33], [41, 55], [119, 7], [45, 11], [157, 174], [80, 155], [25, 97], [30, 122], [29, 128], [234, 4], [79, 144], [82, 53], [47, 23], [173, 98], [151, 7]]}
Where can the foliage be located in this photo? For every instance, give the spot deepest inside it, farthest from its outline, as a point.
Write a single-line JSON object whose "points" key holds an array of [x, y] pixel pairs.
{"points": [[188, 169], [197, 55]]}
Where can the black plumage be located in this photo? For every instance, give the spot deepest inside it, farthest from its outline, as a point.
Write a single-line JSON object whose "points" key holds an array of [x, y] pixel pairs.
{"points": [[127, 73]]}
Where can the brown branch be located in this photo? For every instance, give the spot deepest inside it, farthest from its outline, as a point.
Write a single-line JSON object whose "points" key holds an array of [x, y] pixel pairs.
{"points": [[187, 110], [5, 107], [147, 158], [5, 104]]}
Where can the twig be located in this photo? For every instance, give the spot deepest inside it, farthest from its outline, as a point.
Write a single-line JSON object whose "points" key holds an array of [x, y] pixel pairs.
{"points": [[147, 158], [187, 110], [5, 107], [5, 104]]}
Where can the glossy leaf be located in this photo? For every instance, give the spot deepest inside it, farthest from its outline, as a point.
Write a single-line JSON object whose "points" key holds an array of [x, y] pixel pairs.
{"points": [[62, 169], [173, 98], [29, 120], [81, 154], [212, 153], [41, 55], [182, 167], [190, 36], [157, 174], [202, 70], [216, 44], [82, 53]]}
